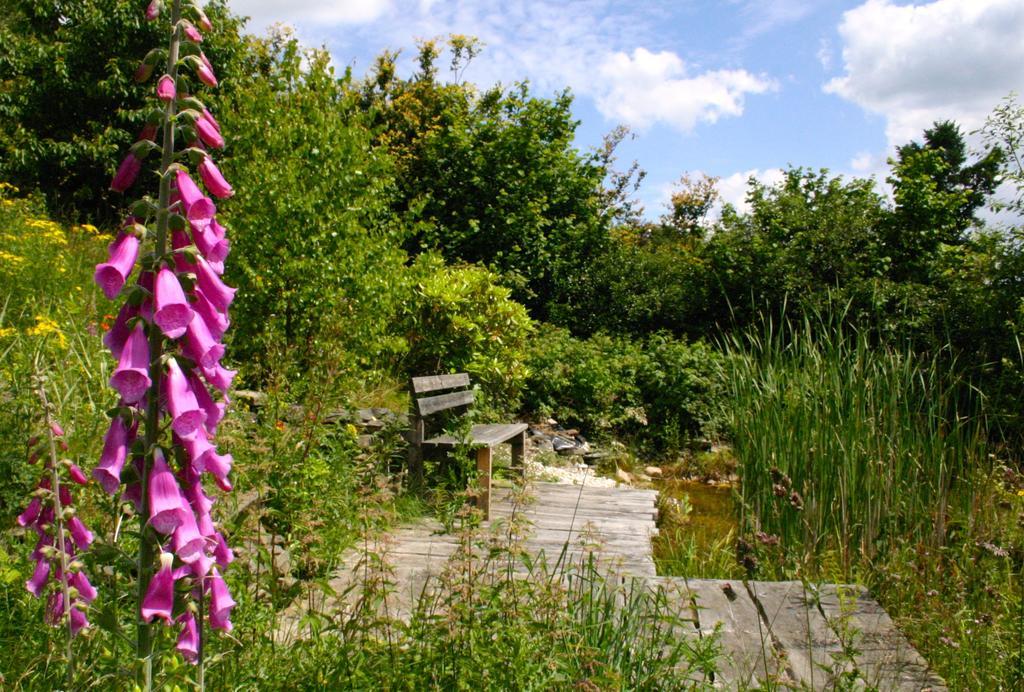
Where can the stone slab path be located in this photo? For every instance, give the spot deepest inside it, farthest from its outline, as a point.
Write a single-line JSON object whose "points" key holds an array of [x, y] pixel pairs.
{"points": [[780, 635]]}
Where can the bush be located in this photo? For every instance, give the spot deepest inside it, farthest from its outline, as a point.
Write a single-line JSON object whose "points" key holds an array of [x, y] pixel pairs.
{"points": [[660, 392], [458, 319]]}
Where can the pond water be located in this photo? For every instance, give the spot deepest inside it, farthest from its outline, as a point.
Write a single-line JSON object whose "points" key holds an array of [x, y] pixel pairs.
{"points": [[698, 542]]}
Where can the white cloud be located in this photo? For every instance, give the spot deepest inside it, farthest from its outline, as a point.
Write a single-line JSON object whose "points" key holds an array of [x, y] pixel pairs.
{"points": [[311, 13], [915, 64], [733, 188], [644, 88]]}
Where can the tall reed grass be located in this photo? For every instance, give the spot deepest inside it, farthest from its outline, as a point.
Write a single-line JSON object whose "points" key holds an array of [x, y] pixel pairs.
{"points": [[846, 445]]}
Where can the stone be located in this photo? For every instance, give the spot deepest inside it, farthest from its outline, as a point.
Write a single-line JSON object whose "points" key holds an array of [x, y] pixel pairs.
{"points": [[653, 471], [623, 476]]}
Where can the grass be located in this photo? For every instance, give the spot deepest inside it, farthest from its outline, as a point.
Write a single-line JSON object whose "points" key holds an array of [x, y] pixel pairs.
{"points": [[862, 462]]}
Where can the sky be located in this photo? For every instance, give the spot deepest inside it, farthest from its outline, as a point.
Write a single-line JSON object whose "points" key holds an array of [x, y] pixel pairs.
{"points": [[731, 88]]}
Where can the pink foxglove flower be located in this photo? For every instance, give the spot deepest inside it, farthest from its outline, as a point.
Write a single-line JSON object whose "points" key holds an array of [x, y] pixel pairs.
{"points": [[115, 452], [119, 331], [76, 474], [126, 174], [85, 589], [143, 72], [216, 321], [165, 90], [214, 410], [206, 75], [159, 599], [82, 536], [192, 34], [131, 378], [219, 377], [216, 291], [208, 116], [173, 313], [188, 638], [222, 553], [209, 134], [213, 180], [186, 416], [221, 603], [167, 507], [153, 9], [111, 275], [189, 544], [37, 582], [219, 466], [31, 512], [198, 208], [200, 345]]}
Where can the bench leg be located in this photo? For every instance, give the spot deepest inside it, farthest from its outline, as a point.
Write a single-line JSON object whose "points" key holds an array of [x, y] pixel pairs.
{"points": [[519, 453], [483, 468]]}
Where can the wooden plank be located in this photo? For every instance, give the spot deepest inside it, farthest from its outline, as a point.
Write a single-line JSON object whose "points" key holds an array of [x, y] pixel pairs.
{"points": [[884, 658], [432, 404], [433, 383], [809, 643], [486, 435], [483, 481], [750, 657]]}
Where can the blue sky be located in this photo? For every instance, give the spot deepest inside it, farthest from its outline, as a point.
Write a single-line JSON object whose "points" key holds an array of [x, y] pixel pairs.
{"points": [[731, 88]]}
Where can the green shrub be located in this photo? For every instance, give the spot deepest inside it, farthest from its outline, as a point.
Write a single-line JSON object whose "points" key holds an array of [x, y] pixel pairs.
{"points": [[458, 319], [660, 392]]}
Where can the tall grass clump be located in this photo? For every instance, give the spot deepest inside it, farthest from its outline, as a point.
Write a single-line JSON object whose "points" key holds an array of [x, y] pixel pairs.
{"points": [[846, 445]]}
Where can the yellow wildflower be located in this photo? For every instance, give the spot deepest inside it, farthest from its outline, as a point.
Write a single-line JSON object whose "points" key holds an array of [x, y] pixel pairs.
{"points": [[46, 326], [7, 331], [15, 261]]}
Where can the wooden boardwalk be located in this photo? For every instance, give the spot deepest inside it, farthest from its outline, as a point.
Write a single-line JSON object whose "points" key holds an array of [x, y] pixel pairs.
{"points": [[772, 634]]}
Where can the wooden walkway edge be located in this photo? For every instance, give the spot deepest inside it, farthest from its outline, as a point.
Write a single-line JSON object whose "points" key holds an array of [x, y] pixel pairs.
{"points": [[785, 635]]}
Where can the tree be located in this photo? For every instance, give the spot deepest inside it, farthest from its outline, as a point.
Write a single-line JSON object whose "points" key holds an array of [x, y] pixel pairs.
{"points": [[64, 68], [491, 178]]}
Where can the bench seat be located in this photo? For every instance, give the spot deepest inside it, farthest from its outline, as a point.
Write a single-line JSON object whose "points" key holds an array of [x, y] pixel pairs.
{"points": [[480, 435]]}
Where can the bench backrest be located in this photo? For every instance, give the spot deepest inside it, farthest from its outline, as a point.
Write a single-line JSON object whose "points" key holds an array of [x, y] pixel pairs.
{"points": [[456, 390]]}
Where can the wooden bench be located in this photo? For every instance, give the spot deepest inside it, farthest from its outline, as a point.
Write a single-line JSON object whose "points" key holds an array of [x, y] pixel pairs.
{"points": [[446, 392]]}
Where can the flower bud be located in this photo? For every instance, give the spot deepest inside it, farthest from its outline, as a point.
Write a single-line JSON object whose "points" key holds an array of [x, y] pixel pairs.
{"points": [[143, 72], [165, 89], [153, 9]]}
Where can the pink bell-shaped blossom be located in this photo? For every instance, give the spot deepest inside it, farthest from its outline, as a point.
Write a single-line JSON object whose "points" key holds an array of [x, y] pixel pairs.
{"points": [[86, 591], [210, 135], [219, 377], [216, 291], [131, 378], [198, 208], [31, 512], [111, 275], [186, 416], [219, 466], [77, 475], [216, 320], [205, 73], [37, 582], [214, 410], [221, 603], [159, 599], [167, 507], [56, 429], [221, 552], [188, 638], [79, 533], [78, 621], [148, 133], [165, 90], [208, 116], [119, 331], [143, 72], [196, 495], [153, 9], [45, 541], [198, 447], [189, 544], [173, 313], [133, 494], [115, 452], [214, 180], [126, 173], [192, 33], [204, 21], [200, 345]]}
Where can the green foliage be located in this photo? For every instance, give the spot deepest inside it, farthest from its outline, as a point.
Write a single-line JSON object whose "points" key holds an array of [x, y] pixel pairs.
{"points": [[844, 445], [492, 178], [315, 260], [458, 319], [68, 98], [661, 392]]}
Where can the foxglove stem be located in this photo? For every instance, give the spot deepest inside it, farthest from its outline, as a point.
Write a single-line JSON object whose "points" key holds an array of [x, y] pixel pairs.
{"points": [[147, 544], [58, 510]]}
